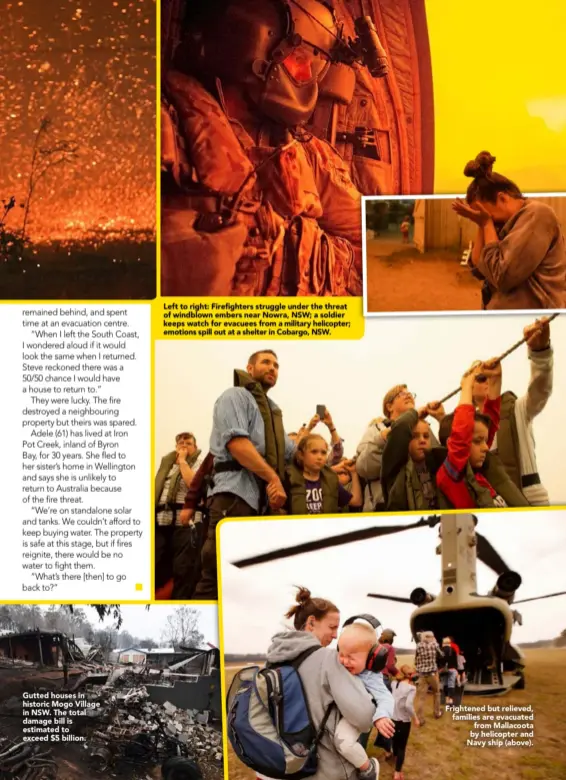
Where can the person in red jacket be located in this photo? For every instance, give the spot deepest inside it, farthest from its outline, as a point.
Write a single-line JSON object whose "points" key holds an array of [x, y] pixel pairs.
{"points": [[390, 671], [461, 662], [469, 436], [454, 646]]}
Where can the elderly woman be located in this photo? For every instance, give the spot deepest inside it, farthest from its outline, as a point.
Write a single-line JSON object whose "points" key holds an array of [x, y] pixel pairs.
{"points": [[519, 248]]}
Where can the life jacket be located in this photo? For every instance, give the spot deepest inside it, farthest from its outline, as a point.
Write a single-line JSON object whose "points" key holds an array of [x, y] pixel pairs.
{"points": [[508, 438], [407, 494], [274, 441], [161, 476], [272, 420], [297, 492]]}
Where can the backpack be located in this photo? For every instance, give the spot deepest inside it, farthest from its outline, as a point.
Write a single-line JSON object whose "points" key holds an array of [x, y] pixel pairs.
{"points": [[268, 720]]}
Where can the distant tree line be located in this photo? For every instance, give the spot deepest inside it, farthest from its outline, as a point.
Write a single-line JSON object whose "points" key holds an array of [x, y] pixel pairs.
{"points": [[182, 625]]}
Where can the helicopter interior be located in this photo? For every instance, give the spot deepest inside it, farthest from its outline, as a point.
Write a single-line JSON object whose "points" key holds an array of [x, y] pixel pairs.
{"points": [[479, 633]]}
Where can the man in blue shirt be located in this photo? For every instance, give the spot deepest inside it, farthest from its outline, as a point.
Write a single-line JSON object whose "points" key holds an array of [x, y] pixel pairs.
{"points": [[250, 449]]}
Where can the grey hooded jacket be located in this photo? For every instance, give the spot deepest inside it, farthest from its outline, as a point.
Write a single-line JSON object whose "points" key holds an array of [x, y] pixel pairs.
{"points": [[368, 464], [325, 680]]}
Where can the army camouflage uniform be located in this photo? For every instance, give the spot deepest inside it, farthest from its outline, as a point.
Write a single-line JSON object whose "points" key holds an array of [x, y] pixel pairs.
{"points": [[297, 226]]}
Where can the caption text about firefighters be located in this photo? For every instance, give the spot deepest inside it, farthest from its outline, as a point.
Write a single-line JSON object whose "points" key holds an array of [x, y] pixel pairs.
{"points": [[296, 318]]}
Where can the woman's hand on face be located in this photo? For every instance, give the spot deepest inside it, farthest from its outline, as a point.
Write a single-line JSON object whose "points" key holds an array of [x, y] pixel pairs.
{"points": [[475, 213], [385, 727]]}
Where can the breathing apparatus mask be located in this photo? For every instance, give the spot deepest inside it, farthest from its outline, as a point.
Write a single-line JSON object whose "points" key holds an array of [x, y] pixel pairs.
{"points": [[279, 51]]}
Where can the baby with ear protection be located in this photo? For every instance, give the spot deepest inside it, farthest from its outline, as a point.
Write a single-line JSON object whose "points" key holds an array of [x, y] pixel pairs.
{"points": [[357, 651]]}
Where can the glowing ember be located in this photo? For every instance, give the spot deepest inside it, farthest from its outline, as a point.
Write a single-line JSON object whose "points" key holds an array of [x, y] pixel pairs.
{"points": [[91, 70]]}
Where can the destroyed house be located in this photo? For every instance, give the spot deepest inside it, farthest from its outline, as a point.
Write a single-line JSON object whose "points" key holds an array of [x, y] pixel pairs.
{"points": [[39, 646], [183, 660], [129, 655]]}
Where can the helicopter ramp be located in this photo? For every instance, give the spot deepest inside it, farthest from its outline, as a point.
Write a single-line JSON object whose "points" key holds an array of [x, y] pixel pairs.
{"points": [[492, 689]]}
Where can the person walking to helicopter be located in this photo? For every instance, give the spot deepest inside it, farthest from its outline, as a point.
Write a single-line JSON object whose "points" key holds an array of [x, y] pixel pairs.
{"points": [[449, 670], [403, 689], [427, 655]]}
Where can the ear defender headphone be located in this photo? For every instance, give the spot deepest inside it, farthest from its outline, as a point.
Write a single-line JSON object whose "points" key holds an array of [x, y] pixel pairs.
{"points": [[377, 656]]}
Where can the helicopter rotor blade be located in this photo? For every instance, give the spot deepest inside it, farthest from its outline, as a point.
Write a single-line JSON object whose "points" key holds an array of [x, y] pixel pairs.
{"points": [[538, 598], [488, 554], [333, 541], [400, 599]]}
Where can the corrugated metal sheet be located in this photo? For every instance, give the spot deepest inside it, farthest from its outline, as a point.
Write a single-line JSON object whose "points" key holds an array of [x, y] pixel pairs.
{"points": [[419, 225], [443, 229]]}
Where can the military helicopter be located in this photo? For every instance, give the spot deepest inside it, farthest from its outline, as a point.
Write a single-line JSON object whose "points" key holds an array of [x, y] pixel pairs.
{"points": [[480, 624]]}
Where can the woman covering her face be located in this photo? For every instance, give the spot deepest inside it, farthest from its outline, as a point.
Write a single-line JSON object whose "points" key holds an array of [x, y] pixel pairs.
{"points": [[519, 249]]}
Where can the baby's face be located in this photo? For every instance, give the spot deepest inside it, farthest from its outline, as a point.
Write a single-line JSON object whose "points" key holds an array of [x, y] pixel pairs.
{"points": [[352, 654]]}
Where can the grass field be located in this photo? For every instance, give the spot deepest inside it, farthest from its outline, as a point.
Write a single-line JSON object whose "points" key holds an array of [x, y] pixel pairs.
{"points": [[438, 750]]}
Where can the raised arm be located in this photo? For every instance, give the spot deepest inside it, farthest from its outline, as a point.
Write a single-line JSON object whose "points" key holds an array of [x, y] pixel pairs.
{"points": [[336, 442], [462, 426], [478, 245], [509, 262], [492, 407], [541, 359]]}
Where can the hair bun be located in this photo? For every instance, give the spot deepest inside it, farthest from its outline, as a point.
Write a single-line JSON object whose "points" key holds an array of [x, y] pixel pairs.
{"points": [[481, 166], [303, 595]]}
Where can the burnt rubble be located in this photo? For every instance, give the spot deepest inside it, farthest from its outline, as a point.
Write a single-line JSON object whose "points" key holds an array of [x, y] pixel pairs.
{"points": [[127, 713], [121, 721]]}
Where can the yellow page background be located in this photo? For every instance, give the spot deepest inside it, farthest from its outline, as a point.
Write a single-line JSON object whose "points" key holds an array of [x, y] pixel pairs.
{"points": [[499, 84]]}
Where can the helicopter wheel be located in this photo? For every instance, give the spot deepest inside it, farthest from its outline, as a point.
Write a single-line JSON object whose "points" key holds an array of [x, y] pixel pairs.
{"points": [[520, 684]]}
